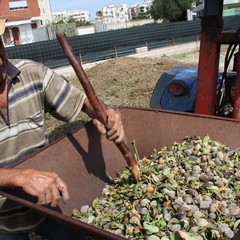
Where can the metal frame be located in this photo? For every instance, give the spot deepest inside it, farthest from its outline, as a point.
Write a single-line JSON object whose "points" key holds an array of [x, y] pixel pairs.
{"points": [[211, 39]]}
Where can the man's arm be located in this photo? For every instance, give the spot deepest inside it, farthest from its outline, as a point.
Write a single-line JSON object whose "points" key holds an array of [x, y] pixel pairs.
{"points": [[46, 186]]}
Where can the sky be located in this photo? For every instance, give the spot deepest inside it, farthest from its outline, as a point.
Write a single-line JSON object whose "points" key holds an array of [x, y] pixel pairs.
{"points": [[89, 5]]}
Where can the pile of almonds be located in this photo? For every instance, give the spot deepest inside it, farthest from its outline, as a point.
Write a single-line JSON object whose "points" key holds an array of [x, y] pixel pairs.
{"points": [[189, 190]]}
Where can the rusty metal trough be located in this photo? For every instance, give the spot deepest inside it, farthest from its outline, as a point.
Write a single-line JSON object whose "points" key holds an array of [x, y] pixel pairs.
{"points": [[83, 157]]}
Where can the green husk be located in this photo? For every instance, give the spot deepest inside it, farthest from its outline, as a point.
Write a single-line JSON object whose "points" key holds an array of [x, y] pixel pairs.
{"points": [[197, 168]]}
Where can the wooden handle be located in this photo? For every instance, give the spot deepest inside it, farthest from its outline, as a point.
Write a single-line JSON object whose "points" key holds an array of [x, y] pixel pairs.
{"points": [[93, 99]]}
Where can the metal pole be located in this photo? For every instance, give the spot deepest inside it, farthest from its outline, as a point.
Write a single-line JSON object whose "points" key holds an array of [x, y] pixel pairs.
{"points": [[212, 25]]}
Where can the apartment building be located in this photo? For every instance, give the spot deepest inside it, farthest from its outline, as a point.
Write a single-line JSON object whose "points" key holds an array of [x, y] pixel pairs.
{"points": [[112, 14], [80, 16], [57, 16], [138, 7], [22, 17]]}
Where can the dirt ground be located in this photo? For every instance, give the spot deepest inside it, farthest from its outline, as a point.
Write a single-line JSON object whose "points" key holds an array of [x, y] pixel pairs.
{"points": [[127, 81]]}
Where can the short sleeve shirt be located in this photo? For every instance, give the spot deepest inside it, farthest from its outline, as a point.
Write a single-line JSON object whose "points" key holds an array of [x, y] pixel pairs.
{"points": [[33, 90]]}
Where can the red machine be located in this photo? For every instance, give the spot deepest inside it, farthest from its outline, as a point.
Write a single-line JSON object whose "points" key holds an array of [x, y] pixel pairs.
{"points": [[212, 38]]}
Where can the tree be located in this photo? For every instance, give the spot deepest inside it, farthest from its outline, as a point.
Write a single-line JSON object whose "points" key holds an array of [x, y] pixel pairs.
{"points": [[71, 20], [170, 10], [142, 14]]}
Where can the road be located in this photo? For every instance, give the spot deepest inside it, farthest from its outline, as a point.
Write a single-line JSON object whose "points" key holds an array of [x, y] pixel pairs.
{"points": [[156, 53]]}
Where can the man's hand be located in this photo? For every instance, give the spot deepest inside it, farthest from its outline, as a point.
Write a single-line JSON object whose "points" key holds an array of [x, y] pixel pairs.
{"points": [[46, 186], [114, 130]]}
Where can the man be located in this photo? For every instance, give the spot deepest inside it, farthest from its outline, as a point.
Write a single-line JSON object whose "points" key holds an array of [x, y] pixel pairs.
{"points": [[27, 91]]}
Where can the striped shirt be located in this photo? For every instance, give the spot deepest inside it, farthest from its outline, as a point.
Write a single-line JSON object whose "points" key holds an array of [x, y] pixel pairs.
{"points": [[33, 90]]}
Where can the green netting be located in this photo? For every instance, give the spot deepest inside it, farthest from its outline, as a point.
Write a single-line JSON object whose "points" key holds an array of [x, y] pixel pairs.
{"points": [[103, 45]]}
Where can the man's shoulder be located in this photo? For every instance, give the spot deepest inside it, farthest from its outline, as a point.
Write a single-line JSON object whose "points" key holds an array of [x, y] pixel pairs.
{"points": [[19, 63], [29, 68]]}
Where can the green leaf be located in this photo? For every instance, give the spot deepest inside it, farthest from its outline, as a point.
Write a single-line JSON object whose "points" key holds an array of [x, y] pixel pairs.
{"points": [[115, 225], [161, 224], [235, 226], [150, 228]]}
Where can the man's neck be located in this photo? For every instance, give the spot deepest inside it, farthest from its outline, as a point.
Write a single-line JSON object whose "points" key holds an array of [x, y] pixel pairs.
{"points": [[3, 97]]}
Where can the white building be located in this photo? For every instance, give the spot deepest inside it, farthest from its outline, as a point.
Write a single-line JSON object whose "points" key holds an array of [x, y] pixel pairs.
{"points": [[78, 15], [24, 30], [138, 7], [57, 16], [112, 14], [45, 11]]}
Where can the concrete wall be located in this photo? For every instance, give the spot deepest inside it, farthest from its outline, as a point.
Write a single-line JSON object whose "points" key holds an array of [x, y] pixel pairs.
{"points": [[101, 27], [26, 34], [85, 30]]}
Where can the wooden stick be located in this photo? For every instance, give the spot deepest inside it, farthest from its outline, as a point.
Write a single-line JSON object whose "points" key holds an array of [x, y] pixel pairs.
{"points": [[96, 104]]}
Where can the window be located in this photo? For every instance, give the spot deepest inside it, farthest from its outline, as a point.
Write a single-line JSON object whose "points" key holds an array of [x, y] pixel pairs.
{"points": [[17, 4]]}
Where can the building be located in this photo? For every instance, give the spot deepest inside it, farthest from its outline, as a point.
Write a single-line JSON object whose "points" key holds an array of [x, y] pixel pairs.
{"points": [[113, 17], [77, 15], [135, 10], [112, 14], [191, 15], [22, 17], [45, 11], [58, 16]]}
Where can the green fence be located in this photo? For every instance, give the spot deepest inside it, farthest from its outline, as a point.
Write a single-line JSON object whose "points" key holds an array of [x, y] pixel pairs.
{"points": [[104, 45]]}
